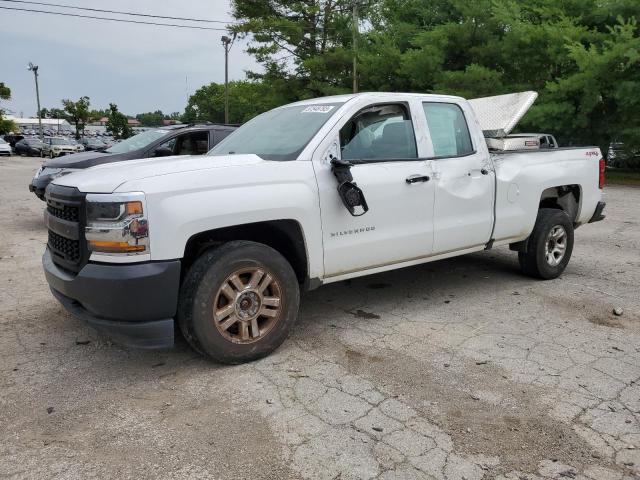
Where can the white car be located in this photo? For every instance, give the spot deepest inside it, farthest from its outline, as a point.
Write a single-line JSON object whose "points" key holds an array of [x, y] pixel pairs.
{"points": [[5, 148], [53, 147], [311, 193]]}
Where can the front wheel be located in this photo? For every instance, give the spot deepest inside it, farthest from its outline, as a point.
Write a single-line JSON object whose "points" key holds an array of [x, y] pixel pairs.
{"points": [[238, 302], [549, 246]]}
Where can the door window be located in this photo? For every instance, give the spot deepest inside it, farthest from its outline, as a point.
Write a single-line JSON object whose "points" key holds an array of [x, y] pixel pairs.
{"points": [[195, 143], [166, 148], [219, 135], [379, 132], [544, 142], [448, 129]]}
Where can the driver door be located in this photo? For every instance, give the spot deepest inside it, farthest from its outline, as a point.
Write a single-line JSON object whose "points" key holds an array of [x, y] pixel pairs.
{"points": [[380, 142]]}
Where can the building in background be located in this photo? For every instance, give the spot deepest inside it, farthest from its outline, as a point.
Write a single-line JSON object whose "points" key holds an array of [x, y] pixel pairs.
{"points": [[55, 124]]}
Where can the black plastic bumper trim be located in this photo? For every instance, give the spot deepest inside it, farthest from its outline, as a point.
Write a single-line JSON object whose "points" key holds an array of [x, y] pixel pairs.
{"points": [[148, 335], [134, 292], [597, 215]]}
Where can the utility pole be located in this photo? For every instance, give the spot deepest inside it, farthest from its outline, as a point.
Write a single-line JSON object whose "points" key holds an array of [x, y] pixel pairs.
{"points": [[355, 46], [34, 68], [226, 41]]}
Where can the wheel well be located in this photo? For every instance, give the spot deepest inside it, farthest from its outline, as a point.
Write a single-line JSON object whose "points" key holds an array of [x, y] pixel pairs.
{"points": [[563, 197], [285, 236]]}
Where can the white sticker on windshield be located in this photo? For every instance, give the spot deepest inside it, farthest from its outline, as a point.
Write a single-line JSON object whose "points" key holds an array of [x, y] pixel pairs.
{"points": [[318, 109]]}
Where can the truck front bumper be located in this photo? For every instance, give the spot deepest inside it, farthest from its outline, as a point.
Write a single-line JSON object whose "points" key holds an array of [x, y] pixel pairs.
{"points": [[134, 304]]}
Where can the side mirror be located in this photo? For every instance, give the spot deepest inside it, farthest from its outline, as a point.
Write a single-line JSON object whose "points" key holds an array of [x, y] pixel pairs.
{"points": [[352, 197], [163, 152]]}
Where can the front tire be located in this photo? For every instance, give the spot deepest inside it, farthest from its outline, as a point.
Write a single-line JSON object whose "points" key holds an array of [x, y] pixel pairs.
{"points": [[238, 302], [549, 246]]}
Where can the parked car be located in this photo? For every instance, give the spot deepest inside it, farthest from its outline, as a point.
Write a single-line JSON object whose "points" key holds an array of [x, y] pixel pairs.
{"points": [[157, 142], [31, 147], [92, 144], [311, 193], [13, 138], [5, 148], [54, 147], [620, 156], [79, 146]]}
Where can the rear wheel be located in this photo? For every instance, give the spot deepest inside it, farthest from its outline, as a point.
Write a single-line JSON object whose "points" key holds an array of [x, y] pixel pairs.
{"points": [[549, 246], [238, 302]]}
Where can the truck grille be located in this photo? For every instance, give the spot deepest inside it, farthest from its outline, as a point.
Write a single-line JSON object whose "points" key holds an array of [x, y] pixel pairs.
{"points": [[66, 212], [67, 248], [65, 218]]}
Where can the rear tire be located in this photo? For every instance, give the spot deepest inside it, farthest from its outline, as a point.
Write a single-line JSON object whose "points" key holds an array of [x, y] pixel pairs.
{"points": [[549, 246], [238, 302]]}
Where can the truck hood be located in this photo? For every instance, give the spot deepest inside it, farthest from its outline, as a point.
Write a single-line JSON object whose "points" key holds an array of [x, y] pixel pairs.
{"points": [[84, 160], [108, 177]]}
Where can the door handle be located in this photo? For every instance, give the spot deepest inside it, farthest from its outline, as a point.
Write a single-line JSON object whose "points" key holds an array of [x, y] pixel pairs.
{"points": [[417, 178]]}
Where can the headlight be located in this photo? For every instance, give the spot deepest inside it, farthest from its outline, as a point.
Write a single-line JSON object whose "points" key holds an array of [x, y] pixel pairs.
{"points": [[38, 173], [117, 224]]}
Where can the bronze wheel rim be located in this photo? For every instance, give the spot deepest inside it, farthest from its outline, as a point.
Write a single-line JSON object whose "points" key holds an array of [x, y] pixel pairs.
{"points": [[247, 305]]}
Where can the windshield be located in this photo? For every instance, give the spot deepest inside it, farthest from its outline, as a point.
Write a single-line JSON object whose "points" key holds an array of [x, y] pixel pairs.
{"points": [[2, 141], [137, 141], [279, 134], [60, 141]]}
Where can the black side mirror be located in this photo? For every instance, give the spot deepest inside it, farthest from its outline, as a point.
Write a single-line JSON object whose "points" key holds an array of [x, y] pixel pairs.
{"points": [[163, 152], [352, 197]]}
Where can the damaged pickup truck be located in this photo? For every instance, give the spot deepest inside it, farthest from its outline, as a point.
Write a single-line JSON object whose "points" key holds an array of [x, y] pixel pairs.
{"points": [[306, 194]]}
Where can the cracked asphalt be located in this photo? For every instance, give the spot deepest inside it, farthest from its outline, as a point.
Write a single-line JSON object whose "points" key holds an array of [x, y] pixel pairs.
{"points": [[458, 369]]}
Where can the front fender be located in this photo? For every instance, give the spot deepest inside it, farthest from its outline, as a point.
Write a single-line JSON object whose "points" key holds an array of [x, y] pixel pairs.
{"points": [[184, 204]]}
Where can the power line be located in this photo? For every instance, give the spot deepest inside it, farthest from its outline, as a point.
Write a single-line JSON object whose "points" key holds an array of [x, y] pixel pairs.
{"points": [[112, 19], [119, 12]]}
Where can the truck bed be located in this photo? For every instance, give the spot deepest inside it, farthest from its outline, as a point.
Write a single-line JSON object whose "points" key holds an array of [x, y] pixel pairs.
{"points": [[522, 176]]}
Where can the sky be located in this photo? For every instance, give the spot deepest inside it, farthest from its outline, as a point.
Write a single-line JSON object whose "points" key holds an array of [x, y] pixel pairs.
{"points": [[141, 68]]}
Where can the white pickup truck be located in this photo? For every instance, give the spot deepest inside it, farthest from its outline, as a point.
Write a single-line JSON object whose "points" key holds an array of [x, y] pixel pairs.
{"points": [[310, 193]]}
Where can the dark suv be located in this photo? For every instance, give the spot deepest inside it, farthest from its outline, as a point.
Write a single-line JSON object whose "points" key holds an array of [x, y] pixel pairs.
{"points": [[156, 142]]}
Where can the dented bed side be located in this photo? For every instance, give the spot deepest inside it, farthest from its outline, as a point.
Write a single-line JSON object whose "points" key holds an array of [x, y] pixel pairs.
{"points": [[523, 177]]}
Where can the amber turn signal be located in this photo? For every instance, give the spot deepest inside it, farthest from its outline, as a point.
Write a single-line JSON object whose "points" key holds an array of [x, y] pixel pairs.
{"points": [[133, 208], [115, 247]]}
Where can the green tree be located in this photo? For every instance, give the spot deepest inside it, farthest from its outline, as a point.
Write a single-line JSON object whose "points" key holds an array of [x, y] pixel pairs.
{"points": [[6, 126], [581, 56], [77, 113], [96, 115], [151, 119], [5, 92], [599, 101], [246, 100], [53, 113], [118, 124], [305, 47]]}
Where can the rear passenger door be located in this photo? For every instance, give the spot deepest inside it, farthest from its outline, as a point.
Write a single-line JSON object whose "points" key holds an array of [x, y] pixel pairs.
{"points": [[465, 181]]}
